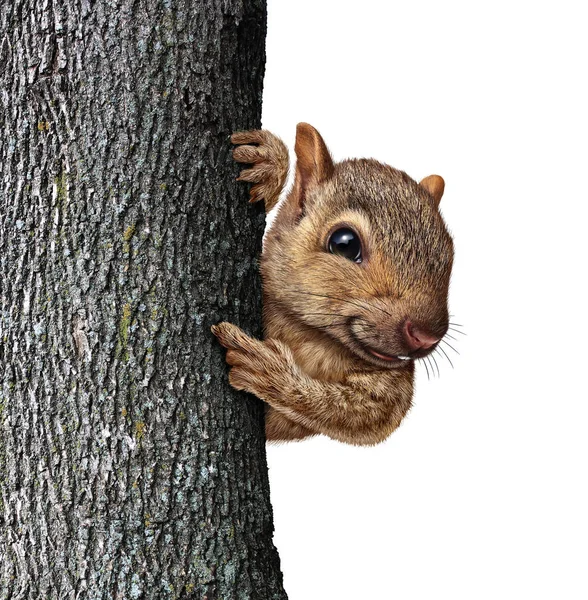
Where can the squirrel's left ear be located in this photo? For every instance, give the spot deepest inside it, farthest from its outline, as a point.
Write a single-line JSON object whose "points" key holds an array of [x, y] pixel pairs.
{"points": [[313, 161], [435, 185]]}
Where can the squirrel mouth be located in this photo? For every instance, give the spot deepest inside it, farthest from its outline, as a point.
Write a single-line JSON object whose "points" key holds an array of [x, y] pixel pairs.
{"points": [[388, 357], [392, 359]]}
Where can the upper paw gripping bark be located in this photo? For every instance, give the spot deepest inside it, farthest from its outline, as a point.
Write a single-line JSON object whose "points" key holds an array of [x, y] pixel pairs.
{"points": [[268, 156]]}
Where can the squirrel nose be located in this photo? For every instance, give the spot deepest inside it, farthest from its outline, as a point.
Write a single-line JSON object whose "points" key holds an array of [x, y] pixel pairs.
{"points": [[416, 338]]}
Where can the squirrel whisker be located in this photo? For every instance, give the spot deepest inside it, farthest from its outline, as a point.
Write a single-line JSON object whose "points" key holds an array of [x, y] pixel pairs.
{"points": [[448, 344], [426, 368], [432, 355], [457, 330], [431, 365], [446, 355], [355, 303], [334, 315]]}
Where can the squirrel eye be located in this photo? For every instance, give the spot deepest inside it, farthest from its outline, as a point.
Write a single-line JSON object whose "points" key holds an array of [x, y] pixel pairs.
{"points": [[345, 242]]}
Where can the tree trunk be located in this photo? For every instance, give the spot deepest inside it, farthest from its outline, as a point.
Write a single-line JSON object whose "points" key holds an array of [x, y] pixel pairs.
{"points": [[128, 467]]}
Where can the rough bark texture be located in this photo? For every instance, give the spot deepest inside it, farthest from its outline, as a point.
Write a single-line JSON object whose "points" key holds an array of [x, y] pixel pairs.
{"points": [[128, 468]]}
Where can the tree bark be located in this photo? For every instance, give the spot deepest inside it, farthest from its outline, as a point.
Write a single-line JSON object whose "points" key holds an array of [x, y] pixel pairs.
{"points": [[128, 467]]}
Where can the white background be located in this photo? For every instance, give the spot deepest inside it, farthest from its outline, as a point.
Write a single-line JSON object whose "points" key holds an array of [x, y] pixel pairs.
{"points": [[482, 492]]}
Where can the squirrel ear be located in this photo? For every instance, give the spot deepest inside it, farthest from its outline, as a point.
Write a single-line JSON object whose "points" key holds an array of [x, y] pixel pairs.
{"points": [[435, 185], [313, 160]]}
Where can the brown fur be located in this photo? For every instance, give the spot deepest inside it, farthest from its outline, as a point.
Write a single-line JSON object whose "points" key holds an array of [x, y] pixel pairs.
{"points": [[325, 314]]}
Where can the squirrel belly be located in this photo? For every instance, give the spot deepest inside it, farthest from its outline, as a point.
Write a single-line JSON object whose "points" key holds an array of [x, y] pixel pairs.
{"points": [[355, 270]]}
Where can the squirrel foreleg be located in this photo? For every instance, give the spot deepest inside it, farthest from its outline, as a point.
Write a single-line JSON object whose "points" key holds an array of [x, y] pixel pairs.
{"points": [[363, 410], [269, 159]]}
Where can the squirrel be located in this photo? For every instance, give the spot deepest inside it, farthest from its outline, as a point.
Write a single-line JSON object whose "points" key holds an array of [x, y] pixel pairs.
{"points": [[355, 272]]}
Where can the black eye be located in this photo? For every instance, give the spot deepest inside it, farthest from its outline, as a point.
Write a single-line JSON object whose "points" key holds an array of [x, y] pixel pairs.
{"points": [[345, 242]]}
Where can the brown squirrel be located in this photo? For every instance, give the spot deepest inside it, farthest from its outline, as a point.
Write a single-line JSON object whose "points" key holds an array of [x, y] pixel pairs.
{"points": [[355, 272]]}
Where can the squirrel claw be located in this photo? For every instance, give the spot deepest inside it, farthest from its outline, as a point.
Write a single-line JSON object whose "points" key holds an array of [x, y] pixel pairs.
{"points": [[269, 159], [257, 174], [251, 136], [228, 334], [250, 154], [252, 362]]}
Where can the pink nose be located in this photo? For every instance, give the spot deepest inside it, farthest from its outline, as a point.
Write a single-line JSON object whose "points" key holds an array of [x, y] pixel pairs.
{"points": [[417, 338]]}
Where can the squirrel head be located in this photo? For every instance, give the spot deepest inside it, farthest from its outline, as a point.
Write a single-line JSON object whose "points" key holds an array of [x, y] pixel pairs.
{"points": [[360, 252]]}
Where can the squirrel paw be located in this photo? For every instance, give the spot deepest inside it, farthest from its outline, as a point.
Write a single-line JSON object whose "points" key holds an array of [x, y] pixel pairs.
{"points": [[269, 159], [255, 364]]}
